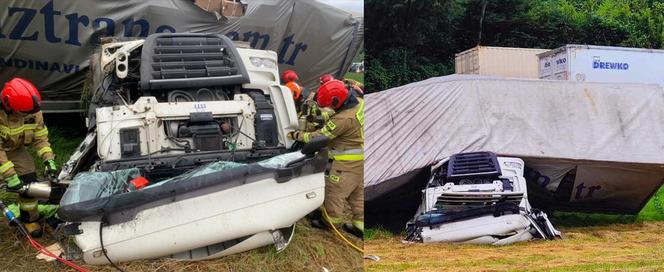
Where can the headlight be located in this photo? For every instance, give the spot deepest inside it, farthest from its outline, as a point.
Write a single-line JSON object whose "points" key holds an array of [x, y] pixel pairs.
{"points": [[263, 62]]}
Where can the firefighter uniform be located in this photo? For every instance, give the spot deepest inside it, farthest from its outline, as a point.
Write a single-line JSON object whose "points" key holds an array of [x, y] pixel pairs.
{"points": [[313, 116], [289, 78], [355, 86], [344, 178], [16, 164], [296, 89]]}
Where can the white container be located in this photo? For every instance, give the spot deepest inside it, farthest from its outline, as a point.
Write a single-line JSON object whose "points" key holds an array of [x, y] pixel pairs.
{"points": [[602, 64], [499, 61]]}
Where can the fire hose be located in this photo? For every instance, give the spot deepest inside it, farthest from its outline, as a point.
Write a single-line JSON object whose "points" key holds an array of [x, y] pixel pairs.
{"points": [[12, 219], [327, 218]]}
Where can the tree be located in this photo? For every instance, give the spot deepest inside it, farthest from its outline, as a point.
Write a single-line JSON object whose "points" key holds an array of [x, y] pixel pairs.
{"points": [[411, 40]]}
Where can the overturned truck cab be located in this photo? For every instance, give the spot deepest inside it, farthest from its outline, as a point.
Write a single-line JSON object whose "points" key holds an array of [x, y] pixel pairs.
{"points": [[187, 154], [478, 198]]}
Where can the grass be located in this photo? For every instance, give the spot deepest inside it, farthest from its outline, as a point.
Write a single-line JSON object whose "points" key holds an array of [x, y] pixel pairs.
{"points": [[65, 132], [355, 76], [653, 211], [592, 242], [637, 247], [311, 249]]}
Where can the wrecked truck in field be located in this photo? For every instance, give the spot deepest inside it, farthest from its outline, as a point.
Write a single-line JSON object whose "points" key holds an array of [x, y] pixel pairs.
{"points": [[478, 198], [578, 146], [187, 155]]}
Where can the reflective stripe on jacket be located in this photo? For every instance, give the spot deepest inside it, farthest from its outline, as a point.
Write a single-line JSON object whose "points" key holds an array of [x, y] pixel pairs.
{"points": [[346, 132], [16, 131]]}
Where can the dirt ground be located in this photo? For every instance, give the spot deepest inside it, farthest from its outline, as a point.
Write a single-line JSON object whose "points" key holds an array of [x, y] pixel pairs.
{"points": [[618, 247]]}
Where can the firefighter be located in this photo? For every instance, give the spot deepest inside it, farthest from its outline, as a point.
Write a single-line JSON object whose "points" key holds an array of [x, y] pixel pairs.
{"points": [[351, 84], [311, 115], [22, 124], [344, 177], [321, 80], [325, 78], [355, 86], [289, 78]]}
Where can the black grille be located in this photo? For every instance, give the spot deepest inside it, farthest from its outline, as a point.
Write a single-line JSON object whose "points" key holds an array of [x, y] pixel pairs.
{"points": [[186, 60], [476, 164]]}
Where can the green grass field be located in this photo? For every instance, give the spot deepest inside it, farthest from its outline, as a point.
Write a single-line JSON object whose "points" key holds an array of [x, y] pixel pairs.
{"points": [[652, 212], [311, 249], [355, 76], [616, 247], [592, 242]]}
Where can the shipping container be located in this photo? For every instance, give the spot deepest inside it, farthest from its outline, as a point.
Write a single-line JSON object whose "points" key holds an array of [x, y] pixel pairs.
{"points": [[602, 64], [499, 61]]}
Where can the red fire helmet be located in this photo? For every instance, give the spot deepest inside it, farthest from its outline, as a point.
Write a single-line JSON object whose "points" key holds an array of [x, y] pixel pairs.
{"points": [[332, 94], [325, 78], [289, 75], [19, 95]]}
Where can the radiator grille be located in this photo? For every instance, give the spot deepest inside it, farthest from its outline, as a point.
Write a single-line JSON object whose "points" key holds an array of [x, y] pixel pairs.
{"points": [[476, 164], [190, 60]]}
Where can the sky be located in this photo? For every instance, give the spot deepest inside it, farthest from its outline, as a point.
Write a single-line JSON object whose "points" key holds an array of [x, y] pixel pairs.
{"points": [[356, 6]]}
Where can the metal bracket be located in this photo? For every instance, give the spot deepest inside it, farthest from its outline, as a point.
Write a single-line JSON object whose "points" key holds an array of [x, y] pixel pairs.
{"points": [[118, 52], [280, 242], [72, 229]]}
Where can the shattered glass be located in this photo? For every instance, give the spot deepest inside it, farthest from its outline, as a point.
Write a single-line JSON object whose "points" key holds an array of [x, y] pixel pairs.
{"points": [[281, 161], [94, 185], [203, 170]]}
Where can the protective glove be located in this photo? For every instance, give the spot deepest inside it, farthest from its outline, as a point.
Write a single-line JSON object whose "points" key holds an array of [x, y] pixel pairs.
{"points": [[14, 183], [293, 135], [50, 169], [304, 108]]}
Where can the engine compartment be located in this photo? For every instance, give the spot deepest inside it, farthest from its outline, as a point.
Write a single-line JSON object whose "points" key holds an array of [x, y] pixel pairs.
{"points": [[472, 184], [175, 101]]}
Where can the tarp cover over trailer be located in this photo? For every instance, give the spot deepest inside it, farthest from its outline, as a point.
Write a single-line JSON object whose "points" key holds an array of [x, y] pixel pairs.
{"points": [[610, 136], [50, 41]]}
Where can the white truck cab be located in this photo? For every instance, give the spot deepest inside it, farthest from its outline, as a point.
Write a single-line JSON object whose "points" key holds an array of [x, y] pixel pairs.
{"points": [[478, 198]]}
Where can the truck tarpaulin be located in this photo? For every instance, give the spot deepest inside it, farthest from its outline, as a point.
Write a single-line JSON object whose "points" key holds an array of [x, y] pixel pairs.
{"points": [[50, 42], [590, 146]]}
